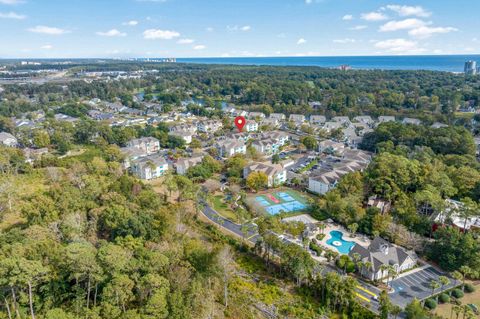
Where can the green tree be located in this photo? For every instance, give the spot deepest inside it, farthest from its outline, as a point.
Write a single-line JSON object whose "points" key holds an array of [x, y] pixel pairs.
{"points": [[257, 181]]}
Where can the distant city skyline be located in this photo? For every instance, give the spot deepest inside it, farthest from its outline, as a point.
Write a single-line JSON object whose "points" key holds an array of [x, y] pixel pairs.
{"points": [[248, 28]]}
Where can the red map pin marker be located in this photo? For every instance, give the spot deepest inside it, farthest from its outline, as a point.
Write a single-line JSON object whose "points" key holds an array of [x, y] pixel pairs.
{"points": [[240, 122]]}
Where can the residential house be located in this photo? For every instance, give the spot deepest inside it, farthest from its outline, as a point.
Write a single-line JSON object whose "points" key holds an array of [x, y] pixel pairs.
{"points": [[228, 148], [317, 119], [330, 147], [366, 119], [266, 146], [297, 118], [382, 205], [270, 122], [276, 174], [8, 139], [130, 154], [438, 125], [327, 177], [278, 116], [210, 126], [34, 154], [256, 115], [409, 120], [386, 118], [452, 215], [191, 128], [382, 253], [65, 118], [330, 126], [281, 138], [345, 120], [149, 145], [183, 164], [251, 126], [149, 167]]}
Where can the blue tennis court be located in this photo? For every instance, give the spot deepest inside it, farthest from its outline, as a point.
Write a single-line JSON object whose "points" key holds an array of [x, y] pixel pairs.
{"points": [[262, 201], [285, 201], [286, 197], [285, 207]]}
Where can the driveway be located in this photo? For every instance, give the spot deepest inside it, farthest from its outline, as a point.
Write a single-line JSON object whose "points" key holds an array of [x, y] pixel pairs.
{"points": [[416, 284]]}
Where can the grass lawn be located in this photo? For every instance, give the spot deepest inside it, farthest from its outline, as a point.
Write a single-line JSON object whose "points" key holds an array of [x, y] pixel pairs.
{"points": [[222, 208], [474, 297]]}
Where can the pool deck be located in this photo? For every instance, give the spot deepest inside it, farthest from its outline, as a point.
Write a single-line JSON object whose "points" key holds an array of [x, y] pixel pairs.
{"points": [[359, 239]]}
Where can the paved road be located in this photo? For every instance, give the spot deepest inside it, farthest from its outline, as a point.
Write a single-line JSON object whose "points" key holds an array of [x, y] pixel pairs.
{"points": [[211, 214], [365, 292], [417, 285]]}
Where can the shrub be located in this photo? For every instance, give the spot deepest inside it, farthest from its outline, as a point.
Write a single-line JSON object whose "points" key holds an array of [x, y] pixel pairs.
{"points": [[350, 267], [320, 236], [469, 288], [315, 248], [457, 293], [430, 304], [444, 298]]}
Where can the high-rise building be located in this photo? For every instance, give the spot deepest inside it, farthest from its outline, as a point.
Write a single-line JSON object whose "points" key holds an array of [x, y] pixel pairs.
{"points": [[470, 67]]}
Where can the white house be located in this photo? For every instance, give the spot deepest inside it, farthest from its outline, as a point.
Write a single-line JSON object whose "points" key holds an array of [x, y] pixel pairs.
{"points": [[8, 139], [276, 174], [266, 146], [228, 148], [184, 164], [297, 118], [386, 118], [366, 119], [409, 120], [330, 126], [255, 115], [317, 119], [251, 126], [278, 116], [191, 128], [210, 126], [341, 119], [149, 167], [148, 144]]}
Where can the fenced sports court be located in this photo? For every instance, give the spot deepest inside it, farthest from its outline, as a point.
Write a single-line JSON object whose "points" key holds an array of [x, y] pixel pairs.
{"points": [[281, 201]]}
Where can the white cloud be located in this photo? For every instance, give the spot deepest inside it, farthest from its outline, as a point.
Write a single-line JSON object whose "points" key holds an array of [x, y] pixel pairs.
{"points": [[281, 35], [426, 32], [399, 46], [153, 34], [12, 15], [185, 41], [11, 1], [406, 24], [112, 33], [374, 16], [344, 41], [199, 47], [347, 17], [239, 28], [301, 41], [46, 47], [209, 29], [404, 11], [131, 23], [48, 30], [358, 27]]}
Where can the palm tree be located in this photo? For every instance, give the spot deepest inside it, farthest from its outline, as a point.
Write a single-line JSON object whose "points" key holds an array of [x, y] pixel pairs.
{"points": [[465, 271], [457, 309], [384, 268], [392, 272], [368, 265], [444, 281], [434, 285], [395, 311]]}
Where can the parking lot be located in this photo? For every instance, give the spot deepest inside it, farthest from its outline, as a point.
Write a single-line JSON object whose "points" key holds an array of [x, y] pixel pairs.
{"points": [[417, 285]]}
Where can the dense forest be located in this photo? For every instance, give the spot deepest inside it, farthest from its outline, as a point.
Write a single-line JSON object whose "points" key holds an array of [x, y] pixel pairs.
{"points": [[430, 95]]}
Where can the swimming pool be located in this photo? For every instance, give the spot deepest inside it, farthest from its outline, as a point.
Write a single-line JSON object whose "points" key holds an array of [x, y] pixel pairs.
{"points": [[336, 240]]}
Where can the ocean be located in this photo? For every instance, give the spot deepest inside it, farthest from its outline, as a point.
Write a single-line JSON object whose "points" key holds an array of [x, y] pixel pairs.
{"points": [[447, 63]]}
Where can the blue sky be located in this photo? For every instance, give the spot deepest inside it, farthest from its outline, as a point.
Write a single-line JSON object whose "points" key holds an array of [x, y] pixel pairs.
{"points": [[215, 28]]}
